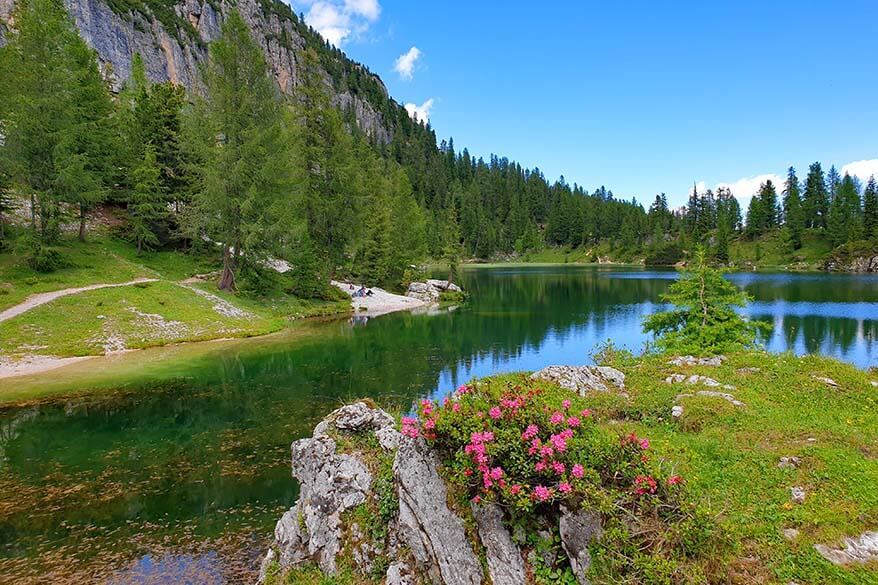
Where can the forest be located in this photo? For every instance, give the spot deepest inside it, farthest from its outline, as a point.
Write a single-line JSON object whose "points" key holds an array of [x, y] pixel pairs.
{"points": [[243, 172]]}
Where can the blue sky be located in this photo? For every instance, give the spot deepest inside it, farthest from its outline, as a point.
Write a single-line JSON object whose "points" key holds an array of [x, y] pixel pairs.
{"points": [[641, 96]]}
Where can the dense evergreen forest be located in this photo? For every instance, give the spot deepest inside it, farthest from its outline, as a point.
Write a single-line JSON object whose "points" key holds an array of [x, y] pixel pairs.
{"points": [[243, 172]]}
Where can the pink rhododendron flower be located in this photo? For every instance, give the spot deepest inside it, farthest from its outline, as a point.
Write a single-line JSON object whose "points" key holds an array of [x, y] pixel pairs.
{"points": [[573, 421], [566, 434], [540, 466], [644, 444], [497, 473], [547, 451], [566, 404], [495, 412], [530, 432], [542, 493], [565, 487], [578, 471], [477, 499], [644, 484], [455, 407], [429, 424], [515, 490], [585, 413], [557, 418], [558, 442], [558, 467], [674, 480]]}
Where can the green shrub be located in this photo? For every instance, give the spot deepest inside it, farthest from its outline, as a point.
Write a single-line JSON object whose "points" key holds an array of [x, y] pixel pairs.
{"points": [[666, 254], [45, 259]]}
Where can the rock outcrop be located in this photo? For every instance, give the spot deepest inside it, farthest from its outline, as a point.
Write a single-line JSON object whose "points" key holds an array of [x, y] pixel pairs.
{"points": [[426, 540], [863, 549], [177, 53], [583, 379], [431, 290]]}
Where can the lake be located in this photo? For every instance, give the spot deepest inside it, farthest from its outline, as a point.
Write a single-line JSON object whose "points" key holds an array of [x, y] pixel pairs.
{"points": [[171, 465]]}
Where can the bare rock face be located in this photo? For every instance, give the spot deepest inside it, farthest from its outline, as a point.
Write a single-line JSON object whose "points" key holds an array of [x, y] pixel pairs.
{"points": [[505, 565], [431, 290], [433, 533], [578, 530], [177, 56], [862, 549], [583, 379]]}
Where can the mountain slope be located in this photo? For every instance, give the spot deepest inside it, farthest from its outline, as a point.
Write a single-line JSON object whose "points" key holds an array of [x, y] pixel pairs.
{"points": [[172, 39]]}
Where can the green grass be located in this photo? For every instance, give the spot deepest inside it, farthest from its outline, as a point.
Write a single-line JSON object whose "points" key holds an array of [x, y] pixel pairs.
{"points": [[132, 317], [729, 457], [770, 251]]}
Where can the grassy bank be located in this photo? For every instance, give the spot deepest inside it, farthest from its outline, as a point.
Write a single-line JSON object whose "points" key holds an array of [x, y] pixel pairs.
{"points": [[171, 310], [728, 458]]}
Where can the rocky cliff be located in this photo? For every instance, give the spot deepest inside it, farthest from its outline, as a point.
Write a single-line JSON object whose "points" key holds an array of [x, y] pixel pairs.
{"points": [[173, 45]]}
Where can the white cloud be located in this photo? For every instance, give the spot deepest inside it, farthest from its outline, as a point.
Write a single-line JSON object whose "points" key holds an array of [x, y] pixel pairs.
{"points": [[420, 113], [405, 64], [862, 169], [339, 20], [747, 187]]}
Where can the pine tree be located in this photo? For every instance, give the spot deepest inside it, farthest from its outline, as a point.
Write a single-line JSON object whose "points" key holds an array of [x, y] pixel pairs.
{"points": [[793, 215], [815, 199], [845, 213], [238, 134], [870, 209], [56, 109], [146, 206]]}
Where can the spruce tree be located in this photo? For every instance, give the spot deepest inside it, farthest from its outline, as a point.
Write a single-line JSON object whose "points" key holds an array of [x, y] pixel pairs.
{"points": [[815, 199], [238, 136], [870, 209], [147, 206], [845, 213], [793, 215]]}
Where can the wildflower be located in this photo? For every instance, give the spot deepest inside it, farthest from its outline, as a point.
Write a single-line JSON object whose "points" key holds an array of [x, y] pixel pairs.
{"points": [[557, 418], [542, 493], [547, 451], [409, 427], [486, 481], [429, 424], [674, 480], [578, 471], [573, 421], [540, 466], [530, 432], [463, 389], [427, 405], [566, 434], [558, 442], [495, 412], [644, 484], [468, 472], [644, 444], [585, 413], [455, 407], [515, 490], [566, 404], [558, 467], [565, 487], [477, 499], [497, 473]]}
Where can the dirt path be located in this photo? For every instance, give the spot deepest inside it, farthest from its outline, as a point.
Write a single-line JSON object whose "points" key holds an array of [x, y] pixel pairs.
{"points": [[47, 297]]}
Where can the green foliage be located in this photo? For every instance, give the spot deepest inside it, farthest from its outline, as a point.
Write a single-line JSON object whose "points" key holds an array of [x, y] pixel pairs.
{"points": [[665, 254], [703, 320], [845, 220], [146, 207], [43, 258]]}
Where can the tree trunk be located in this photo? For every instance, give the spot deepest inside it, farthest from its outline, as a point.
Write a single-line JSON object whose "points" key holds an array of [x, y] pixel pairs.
{"points": [[82, 223], [227, 280]]}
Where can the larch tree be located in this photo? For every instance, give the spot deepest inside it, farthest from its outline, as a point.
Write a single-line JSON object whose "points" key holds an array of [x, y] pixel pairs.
{"points": [[239, 139]]}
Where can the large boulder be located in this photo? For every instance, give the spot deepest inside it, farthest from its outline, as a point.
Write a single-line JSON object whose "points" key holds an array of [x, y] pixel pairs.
{"points": [[431, 291], [433, 533], [505, 565], [583, 379], [578, 529]]}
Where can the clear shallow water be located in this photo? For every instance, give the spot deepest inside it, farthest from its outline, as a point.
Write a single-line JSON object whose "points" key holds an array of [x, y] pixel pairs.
{"points": [[177, 469]]}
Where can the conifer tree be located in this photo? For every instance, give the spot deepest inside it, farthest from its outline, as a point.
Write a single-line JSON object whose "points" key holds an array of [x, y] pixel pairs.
{"points": [[845, 213], [238, 134], [146, 206], [793, 215], [815, 199], [870, 209]]}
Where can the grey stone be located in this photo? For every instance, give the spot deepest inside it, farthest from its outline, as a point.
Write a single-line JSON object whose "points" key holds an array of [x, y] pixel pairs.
{"points": [[430, 291], [677, 411], [789, 462], [696, 380], [790, 533], [860, 550], [688, 360], [797, 495], [398, 573], [745, 371], [330, 484], [388, 438], [582, 379], [874, 383], [827, 381], [359, 417], [578, 530], [432, 532], [505, 565]]}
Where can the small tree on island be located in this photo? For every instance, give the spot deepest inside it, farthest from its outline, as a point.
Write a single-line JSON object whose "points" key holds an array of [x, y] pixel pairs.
{"points": [[703, 321]]}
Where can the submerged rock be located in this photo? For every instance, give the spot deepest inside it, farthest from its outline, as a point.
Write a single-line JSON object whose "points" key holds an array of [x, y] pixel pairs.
{"points": [[863, 549], [583, 379]]}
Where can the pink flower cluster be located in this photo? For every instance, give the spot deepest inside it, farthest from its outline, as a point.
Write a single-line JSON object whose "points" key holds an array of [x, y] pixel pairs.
{"points": [[410, 427], [645, 484]]}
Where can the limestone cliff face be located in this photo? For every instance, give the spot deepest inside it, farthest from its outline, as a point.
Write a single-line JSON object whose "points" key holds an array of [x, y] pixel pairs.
{"points": [[178, 55]]}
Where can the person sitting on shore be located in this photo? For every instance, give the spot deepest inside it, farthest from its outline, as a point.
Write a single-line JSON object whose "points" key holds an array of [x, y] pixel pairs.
{"points": [[369, 293]]}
